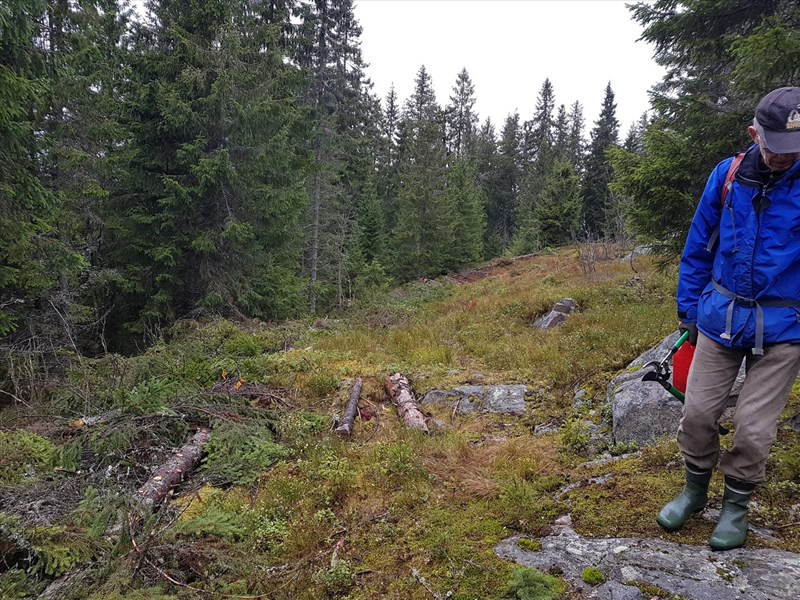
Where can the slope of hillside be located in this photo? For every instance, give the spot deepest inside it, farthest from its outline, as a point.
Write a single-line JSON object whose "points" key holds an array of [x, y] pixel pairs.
{"points": [[283, 508]]}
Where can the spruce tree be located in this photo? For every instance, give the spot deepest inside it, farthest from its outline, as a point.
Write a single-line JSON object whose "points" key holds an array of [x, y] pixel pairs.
{"points": [[208, 217], [26, 206], [556, 215], [501, 196], [576, 146], [341, 113], [720, 58], [469, 224], [461, 117], [388, 159], [597, 199], [538, 132], [487, 160], [86, 42], [423, 235]]}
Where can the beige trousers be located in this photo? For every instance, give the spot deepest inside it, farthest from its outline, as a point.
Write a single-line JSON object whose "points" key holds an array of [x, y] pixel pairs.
{"points": [[766, 388]]}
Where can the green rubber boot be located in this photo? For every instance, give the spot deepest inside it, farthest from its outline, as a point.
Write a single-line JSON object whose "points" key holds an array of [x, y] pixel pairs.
{"points": [[692, 499], [731, 530]]}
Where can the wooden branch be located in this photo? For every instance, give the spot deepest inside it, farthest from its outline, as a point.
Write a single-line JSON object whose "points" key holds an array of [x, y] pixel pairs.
{"points": [[184, 461], [346, 426], [399, 390]]}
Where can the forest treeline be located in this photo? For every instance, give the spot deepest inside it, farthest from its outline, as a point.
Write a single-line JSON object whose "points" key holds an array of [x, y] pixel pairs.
{"points": [[230, 156]]}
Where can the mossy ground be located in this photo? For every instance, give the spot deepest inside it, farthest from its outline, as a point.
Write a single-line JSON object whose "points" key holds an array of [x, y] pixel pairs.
{"points": [[388, 513]]}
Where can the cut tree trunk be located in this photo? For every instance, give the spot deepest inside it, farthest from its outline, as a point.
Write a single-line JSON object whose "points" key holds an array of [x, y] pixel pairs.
{"points": [[172, 473], [399, 390], [346, 426]]}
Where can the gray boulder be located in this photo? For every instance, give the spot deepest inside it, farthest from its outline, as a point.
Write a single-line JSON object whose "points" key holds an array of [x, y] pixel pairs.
{"points": [[692, 572], [504, 399], [557, 315], [643, 411]]}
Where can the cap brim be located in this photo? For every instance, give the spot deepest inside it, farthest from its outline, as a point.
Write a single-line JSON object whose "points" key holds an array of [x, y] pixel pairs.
{"points": [[779, 142]]}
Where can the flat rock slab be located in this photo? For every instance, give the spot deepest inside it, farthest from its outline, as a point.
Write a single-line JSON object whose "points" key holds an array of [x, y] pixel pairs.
{"points": [[690, 572], [505, 399]]}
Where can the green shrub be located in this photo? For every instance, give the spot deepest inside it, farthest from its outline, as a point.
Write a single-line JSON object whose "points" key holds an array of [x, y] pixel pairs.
{"points": [[592, 576], [23, 452], [150, 396], [14, 584], [243, 344], [240, 454], [335, 580], [214, 521], [574, 438], [58, 551], [530, 584], [296, 430]]}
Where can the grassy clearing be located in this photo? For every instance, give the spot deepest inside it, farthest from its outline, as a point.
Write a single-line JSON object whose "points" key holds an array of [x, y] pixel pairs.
{"points": [[284, 509]]}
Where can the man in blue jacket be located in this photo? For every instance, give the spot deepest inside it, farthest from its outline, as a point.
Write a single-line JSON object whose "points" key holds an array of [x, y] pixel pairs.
{"points": [[739, 298]]}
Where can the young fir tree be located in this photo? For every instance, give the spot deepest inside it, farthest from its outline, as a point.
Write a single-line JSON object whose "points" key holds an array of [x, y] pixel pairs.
{"points": [[26, 206], [597, 199], [208, 216], [557, 212], [466, 198], [655, 182], [423, 235]]}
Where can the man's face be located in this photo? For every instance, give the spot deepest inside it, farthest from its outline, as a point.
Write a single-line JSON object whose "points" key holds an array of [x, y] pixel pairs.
{"points": [[775, 162]]}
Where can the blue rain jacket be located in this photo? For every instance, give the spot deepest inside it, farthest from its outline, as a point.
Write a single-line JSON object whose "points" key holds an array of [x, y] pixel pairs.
{"points": [[756, 257]]}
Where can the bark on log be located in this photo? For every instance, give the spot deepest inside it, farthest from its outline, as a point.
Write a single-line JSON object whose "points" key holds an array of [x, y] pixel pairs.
{"points": [[399, 390], [346, 427], [183, 462]]}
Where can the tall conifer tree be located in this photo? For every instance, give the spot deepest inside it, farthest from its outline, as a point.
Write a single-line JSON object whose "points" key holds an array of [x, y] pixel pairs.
{"points": [[461, 117], [423, 233], [209, 215], [25, 203], [597, 200]]}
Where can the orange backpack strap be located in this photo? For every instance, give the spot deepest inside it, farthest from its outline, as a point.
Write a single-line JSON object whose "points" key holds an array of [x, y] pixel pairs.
{"points": [[726, 187]]}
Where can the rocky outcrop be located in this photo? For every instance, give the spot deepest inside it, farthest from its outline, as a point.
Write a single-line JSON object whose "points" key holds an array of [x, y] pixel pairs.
{"points": [[691, 572], [557, 315], [504, 399]]}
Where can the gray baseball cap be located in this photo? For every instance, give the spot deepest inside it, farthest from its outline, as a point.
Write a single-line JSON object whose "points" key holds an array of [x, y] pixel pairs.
{"points": [[778, 120]]}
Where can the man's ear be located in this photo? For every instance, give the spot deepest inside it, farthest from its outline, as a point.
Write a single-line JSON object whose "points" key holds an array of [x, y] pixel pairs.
{"points": [[753, 134]]}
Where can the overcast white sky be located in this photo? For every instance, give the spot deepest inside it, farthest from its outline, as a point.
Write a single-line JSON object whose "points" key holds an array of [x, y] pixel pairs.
{"points": [[509, 47]]}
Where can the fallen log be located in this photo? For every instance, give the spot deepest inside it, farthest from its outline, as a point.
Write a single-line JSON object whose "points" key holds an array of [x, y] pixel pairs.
{"points": [[399, 390], [172, 473], [346, 426]]}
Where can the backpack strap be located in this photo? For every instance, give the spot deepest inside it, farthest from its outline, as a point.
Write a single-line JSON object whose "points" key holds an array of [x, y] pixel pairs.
{"points": [[726, 187]]}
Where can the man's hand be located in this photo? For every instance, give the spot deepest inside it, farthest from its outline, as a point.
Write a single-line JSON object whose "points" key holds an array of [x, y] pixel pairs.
{"points": [[692, 329]]}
